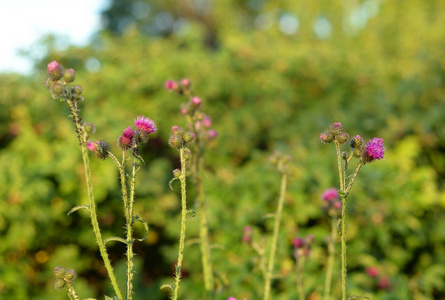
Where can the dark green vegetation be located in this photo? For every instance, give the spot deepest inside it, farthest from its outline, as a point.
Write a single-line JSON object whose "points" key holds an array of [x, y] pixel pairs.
{"points": [[265, 90]]}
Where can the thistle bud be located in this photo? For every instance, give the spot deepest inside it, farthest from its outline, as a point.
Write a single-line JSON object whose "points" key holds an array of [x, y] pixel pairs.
{"points": [[59, 272], [69, 75], [196, 102], [76, 90], [186, 83], [327, 137], [57, 89], [207, 122], [125, 141], [175, 141], [176, 173], [89, 128], [356, 142], [342, 137], [70, 276], [187, 154], [188, 137], [55, 70], [59, 284], [212, 134], [99, 148], [171, 85]]}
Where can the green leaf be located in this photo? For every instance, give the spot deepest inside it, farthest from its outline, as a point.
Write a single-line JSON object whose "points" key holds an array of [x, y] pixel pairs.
{"points": [[144, 222], [115, 238]]}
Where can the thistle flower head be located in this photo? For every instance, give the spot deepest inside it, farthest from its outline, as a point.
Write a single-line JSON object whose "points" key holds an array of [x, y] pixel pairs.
{"points": [[55, 71], [298, 243], [145, 124], [327, 137], [92, 146], [99, 148], [356, 142], [374, 150], [171, 85], [212, 134], [207, 122], [372, 272], [330, 195], [126, 141], [69, 75]]}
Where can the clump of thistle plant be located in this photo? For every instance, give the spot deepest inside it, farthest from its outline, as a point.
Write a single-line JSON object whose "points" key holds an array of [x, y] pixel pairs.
{"points": [[59, 83], [365, 153], [200, 125], [65, 279]]}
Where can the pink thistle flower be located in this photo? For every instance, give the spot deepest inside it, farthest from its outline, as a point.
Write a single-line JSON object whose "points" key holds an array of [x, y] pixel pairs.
{"points": [[212, 134], [92, 146], [171, 85], [196, 101], [55, 70], [384, 283], [330, 194], [374, 150], [231, 298], [126, 141], [207, 122], [298, 243], [372, 272], [185, 82], [337, 204], [145, 124]]}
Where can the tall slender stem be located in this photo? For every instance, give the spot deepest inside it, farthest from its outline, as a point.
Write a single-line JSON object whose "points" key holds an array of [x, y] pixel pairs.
{"points": [[275, 237], [130, 240], [71, 292], [203, 223], [92, 204], [182, 179], [331, 257], [300, 266]]}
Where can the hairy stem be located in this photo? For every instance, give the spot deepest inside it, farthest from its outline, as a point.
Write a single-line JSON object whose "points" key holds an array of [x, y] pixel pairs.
{"points": [[275, 237], [130, 240], [203, 223], [300, 266], [71, 292], [92, 204], [182, 179]]}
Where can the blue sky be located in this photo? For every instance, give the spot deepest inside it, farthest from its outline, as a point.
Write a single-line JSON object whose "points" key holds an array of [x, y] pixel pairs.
{"points": [[23, 22]]}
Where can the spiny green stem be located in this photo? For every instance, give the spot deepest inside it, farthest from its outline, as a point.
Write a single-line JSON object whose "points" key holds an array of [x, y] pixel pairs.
{"points": [[300, 266], [331, 257], [203, 223], [341, 174], [275, 237], [183, 223], [343, 248], [92, 203], [130, 254], [71, 292], [353, 177]]}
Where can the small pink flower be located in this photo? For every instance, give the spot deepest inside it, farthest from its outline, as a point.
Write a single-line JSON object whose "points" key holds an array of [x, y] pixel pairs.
{"points": [[337, 204], [384, 283], [196, 101], [372, 272], [171, 85], [330, 195], [207, 122], [184, 111], [92, 146], [231, 298], [185, 82], [298, 243], [145, 124], [212, 134]]}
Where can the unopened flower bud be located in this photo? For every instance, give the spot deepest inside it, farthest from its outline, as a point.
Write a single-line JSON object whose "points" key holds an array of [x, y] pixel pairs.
{"points": [[327, 137], [196, 102], [57, 89], [76, 90], [55, 70], [59, 284], [212, 134], [342, 137], [69, 75], [336, 128], [298, 243], [186, 82], [89, 128], [207, 122], [356, 142], [176, 173], [70, 276], [175, 141], [188, 137], [187, 154], [99, 148], [59, 272]]}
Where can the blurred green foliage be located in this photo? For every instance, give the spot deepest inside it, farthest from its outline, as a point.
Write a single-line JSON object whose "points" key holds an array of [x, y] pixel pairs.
{"points": [[380, 71]]}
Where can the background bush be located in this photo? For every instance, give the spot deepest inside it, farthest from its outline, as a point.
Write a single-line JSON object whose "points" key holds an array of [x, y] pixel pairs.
{"points": [[380, 72]]}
